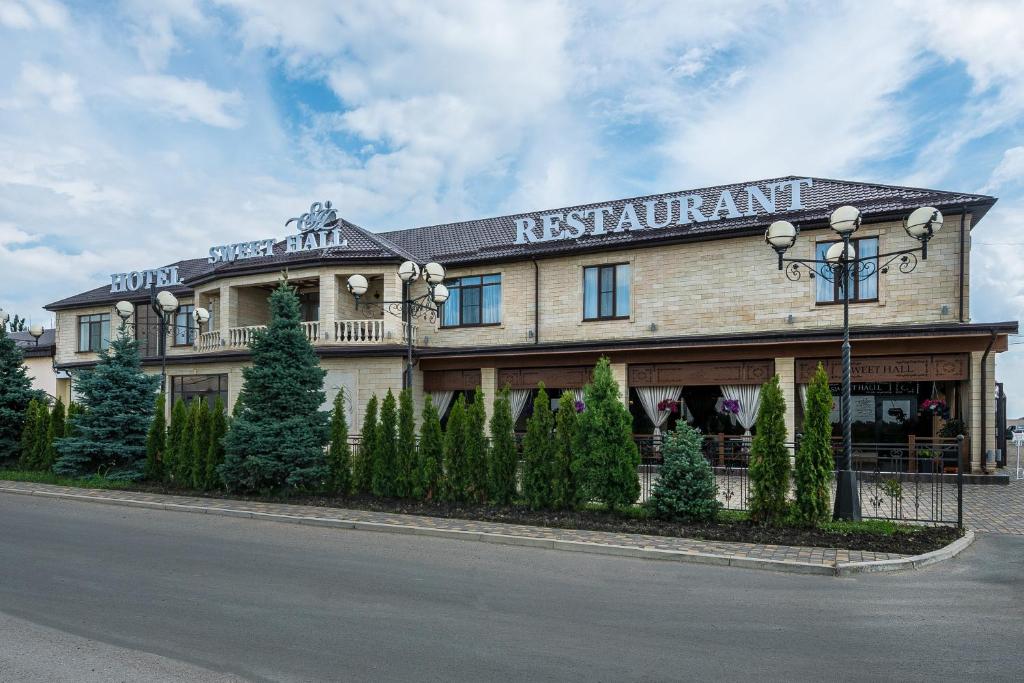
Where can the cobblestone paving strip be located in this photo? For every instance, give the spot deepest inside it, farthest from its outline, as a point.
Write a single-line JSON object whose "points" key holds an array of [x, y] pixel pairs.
{"points": [[823, 557]]}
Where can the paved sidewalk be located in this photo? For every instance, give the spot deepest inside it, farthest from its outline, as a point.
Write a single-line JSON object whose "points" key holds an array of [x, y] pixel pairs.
{"points": [[994, 508], [796, 557]]}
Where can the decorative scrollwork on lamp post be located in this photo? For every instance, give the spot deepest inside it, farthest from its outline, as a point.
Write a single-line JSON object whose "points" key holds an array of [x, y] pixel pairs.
{"points": [[842, 266]]}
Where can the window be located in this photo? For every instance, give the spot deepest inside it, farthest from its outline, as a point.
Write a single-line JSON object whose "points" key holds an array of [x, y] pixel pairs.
{"points": [[309, 303], [94, 332], [184, 325], [865, 289], [606, 292], [208, 387], [473, 300]]}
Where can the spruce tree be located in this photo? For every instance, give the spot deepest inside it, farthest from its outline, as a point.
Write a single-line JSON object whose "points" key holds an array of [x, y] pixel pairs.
{"points": [[539, 453], [15, 394], [278, 441], [456, 476], [29, 445], [56, 430], [430, 454], [175, 439], [363, 470], [339, 454], [405, 475], [503, 458], [607, 458], [111, 432], [200, 444], [814, 459], [156, 441], [215, 451], [387, 448], [686, 490], [476, 448], [563, 487], [769, 458]]}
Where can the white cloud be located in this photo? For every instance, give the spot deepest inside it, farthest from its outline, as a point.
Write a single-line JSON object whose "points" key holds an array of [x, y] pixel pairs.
{"points": [[59, 89], [1009, 171], [31, 13], [186, 99]]}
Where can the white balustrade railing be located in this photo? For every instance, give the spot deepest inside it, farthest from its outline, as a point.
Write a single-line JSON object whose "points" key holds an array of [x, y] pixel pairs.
{"points": [[242, 336], [312, 330], [359, 331], [405, 331], [208, 341]]}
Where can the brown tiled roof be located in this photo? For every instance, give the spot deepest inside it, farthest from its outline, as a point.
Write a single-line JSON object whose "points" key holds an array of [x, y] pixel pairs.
{"points": [[493, 239]]}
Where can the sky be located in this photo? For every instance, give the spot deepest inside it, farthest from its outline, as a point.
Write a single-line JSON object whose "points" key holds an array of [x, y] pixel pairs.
{"points": [[134, 134]]}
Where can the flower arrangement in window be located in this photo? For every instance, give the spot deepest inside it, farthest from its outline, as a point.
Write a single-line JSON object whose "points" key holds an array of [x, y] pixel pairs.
{"points": [[580, 406], [936, 406], [730, 406], [668, 405]]}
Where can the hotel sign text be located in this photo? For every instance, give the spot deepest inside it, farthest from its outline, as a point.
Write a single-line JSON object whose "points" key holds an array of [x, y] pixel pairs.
{"points": [[661, 213]]}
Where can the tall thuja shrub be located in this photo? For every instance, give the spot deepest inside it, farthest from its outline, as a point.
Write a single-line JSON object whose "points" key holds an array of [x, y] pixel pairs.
{"points": [[607, 458], [387, 448], [814, 459], [185, 459], [56, 429], [362, 474], [769, 458], [563, 486], [117, 397], [339, 454], [429, 454], [33, 425], [74, 410], [476, 448], [200, 444], [215, 448], [15, 394], [503, 457], [405, 470], [175, 438], [278, 441], [456, 475], [685, 490], [538, 453], [156, 440]]}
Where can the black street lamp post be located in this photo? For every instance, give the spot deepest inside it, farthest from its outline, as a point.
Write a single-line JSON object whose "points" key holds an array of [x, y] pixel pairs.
{"points": [[843, 267], [408, 308]]}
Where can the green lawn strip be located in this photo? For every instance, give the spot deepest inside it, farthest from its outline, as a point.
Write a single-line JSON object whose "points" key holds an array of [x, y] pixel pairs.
{"points": [[94, 482]]}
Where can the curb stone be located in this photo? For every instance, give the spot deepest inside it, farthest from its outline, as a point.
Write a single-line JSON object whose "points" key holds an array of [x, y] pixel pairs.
{"points": [[839, 569]]}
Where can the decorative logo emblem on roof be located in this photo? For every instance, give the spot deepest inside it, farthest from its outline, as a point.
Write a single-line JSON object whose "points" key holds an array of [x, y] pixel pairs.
{"points": [[319, 217]]}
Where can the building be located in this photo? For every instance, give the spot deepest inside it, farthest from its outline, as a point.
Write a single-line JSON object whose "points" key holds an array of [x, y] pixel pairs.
{"points": [[39, 355], [678, 289]]}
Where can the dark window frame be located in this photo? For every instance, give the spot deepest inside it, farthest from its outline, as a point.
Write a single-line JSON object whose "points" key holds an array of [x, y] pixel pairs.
{"points": [[177, 387], [837, 295], [480, 288], [96, 325], [614, 267], [190, 326]]}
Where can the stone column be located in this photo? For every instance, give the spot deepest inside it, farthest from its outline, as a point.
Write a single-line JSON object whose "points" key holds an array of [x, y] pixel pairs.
{"points": [[393, 323], [328, 305], [974, 401], [488, 384], [785, 368], [228, 313], [621, 376]]}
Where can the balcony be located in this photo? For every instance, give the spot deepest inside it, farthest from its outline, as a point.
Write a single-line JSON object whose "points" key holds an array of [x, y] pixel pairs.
{"points": [[345, 333]]}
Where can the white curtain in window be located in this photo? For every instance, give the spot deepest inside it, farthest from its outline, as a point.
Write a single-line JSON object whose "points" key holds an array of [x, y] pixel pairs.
{"points": [[650, 397], [450, 308], [802, 389], [492, 303], [518, 398], [578, 393], [749, 398], [442, 399]]}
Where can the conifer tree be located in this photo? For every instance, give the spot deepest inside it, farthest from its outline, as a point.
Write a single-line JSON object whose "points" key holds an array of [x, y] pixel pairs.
{"points": [[185, 460], [41, 444], [476, 448], [769, 458], [175, 439], [814, 460], [563, 487], [278, 440], [215, 451], [117, 397], [686, 490], [430, 454], [56, 430], [156, 440], [15, 394], [200, 444], [74, 410], [606, 462], [405, 479], [33, 424], [385, 463], [539, 453], [339, 453], [456, 476], [503, 458], [363, 470]]}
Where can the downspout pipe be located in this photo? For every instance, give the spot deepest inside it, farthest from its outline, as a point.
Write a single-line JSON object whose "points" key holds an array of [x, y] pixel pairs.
{"points": [[536, 302], [984, 399], [963, 214]]}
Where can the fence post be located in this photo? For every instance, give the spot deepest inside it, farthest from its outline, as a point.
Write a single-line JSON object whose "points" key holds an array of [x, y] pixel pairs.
{"points": [[912, 453], [721, 449], [960, 485]]}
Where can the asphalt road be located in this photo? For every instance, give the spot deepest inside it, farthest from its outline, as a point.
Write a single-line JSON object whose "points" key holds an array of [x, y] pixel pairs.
{"points": [[95, 592]]}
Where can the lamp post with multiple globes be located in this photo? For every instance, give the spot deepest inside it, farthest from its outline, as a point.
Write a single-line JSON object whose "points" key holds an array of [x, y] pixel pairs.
{"points": [[843, 267]]}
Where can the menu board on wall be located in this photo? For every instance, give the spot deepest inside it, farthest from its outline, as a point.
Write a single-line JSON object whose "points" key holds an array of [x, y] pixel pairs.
{"points": [[862, 409]]}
